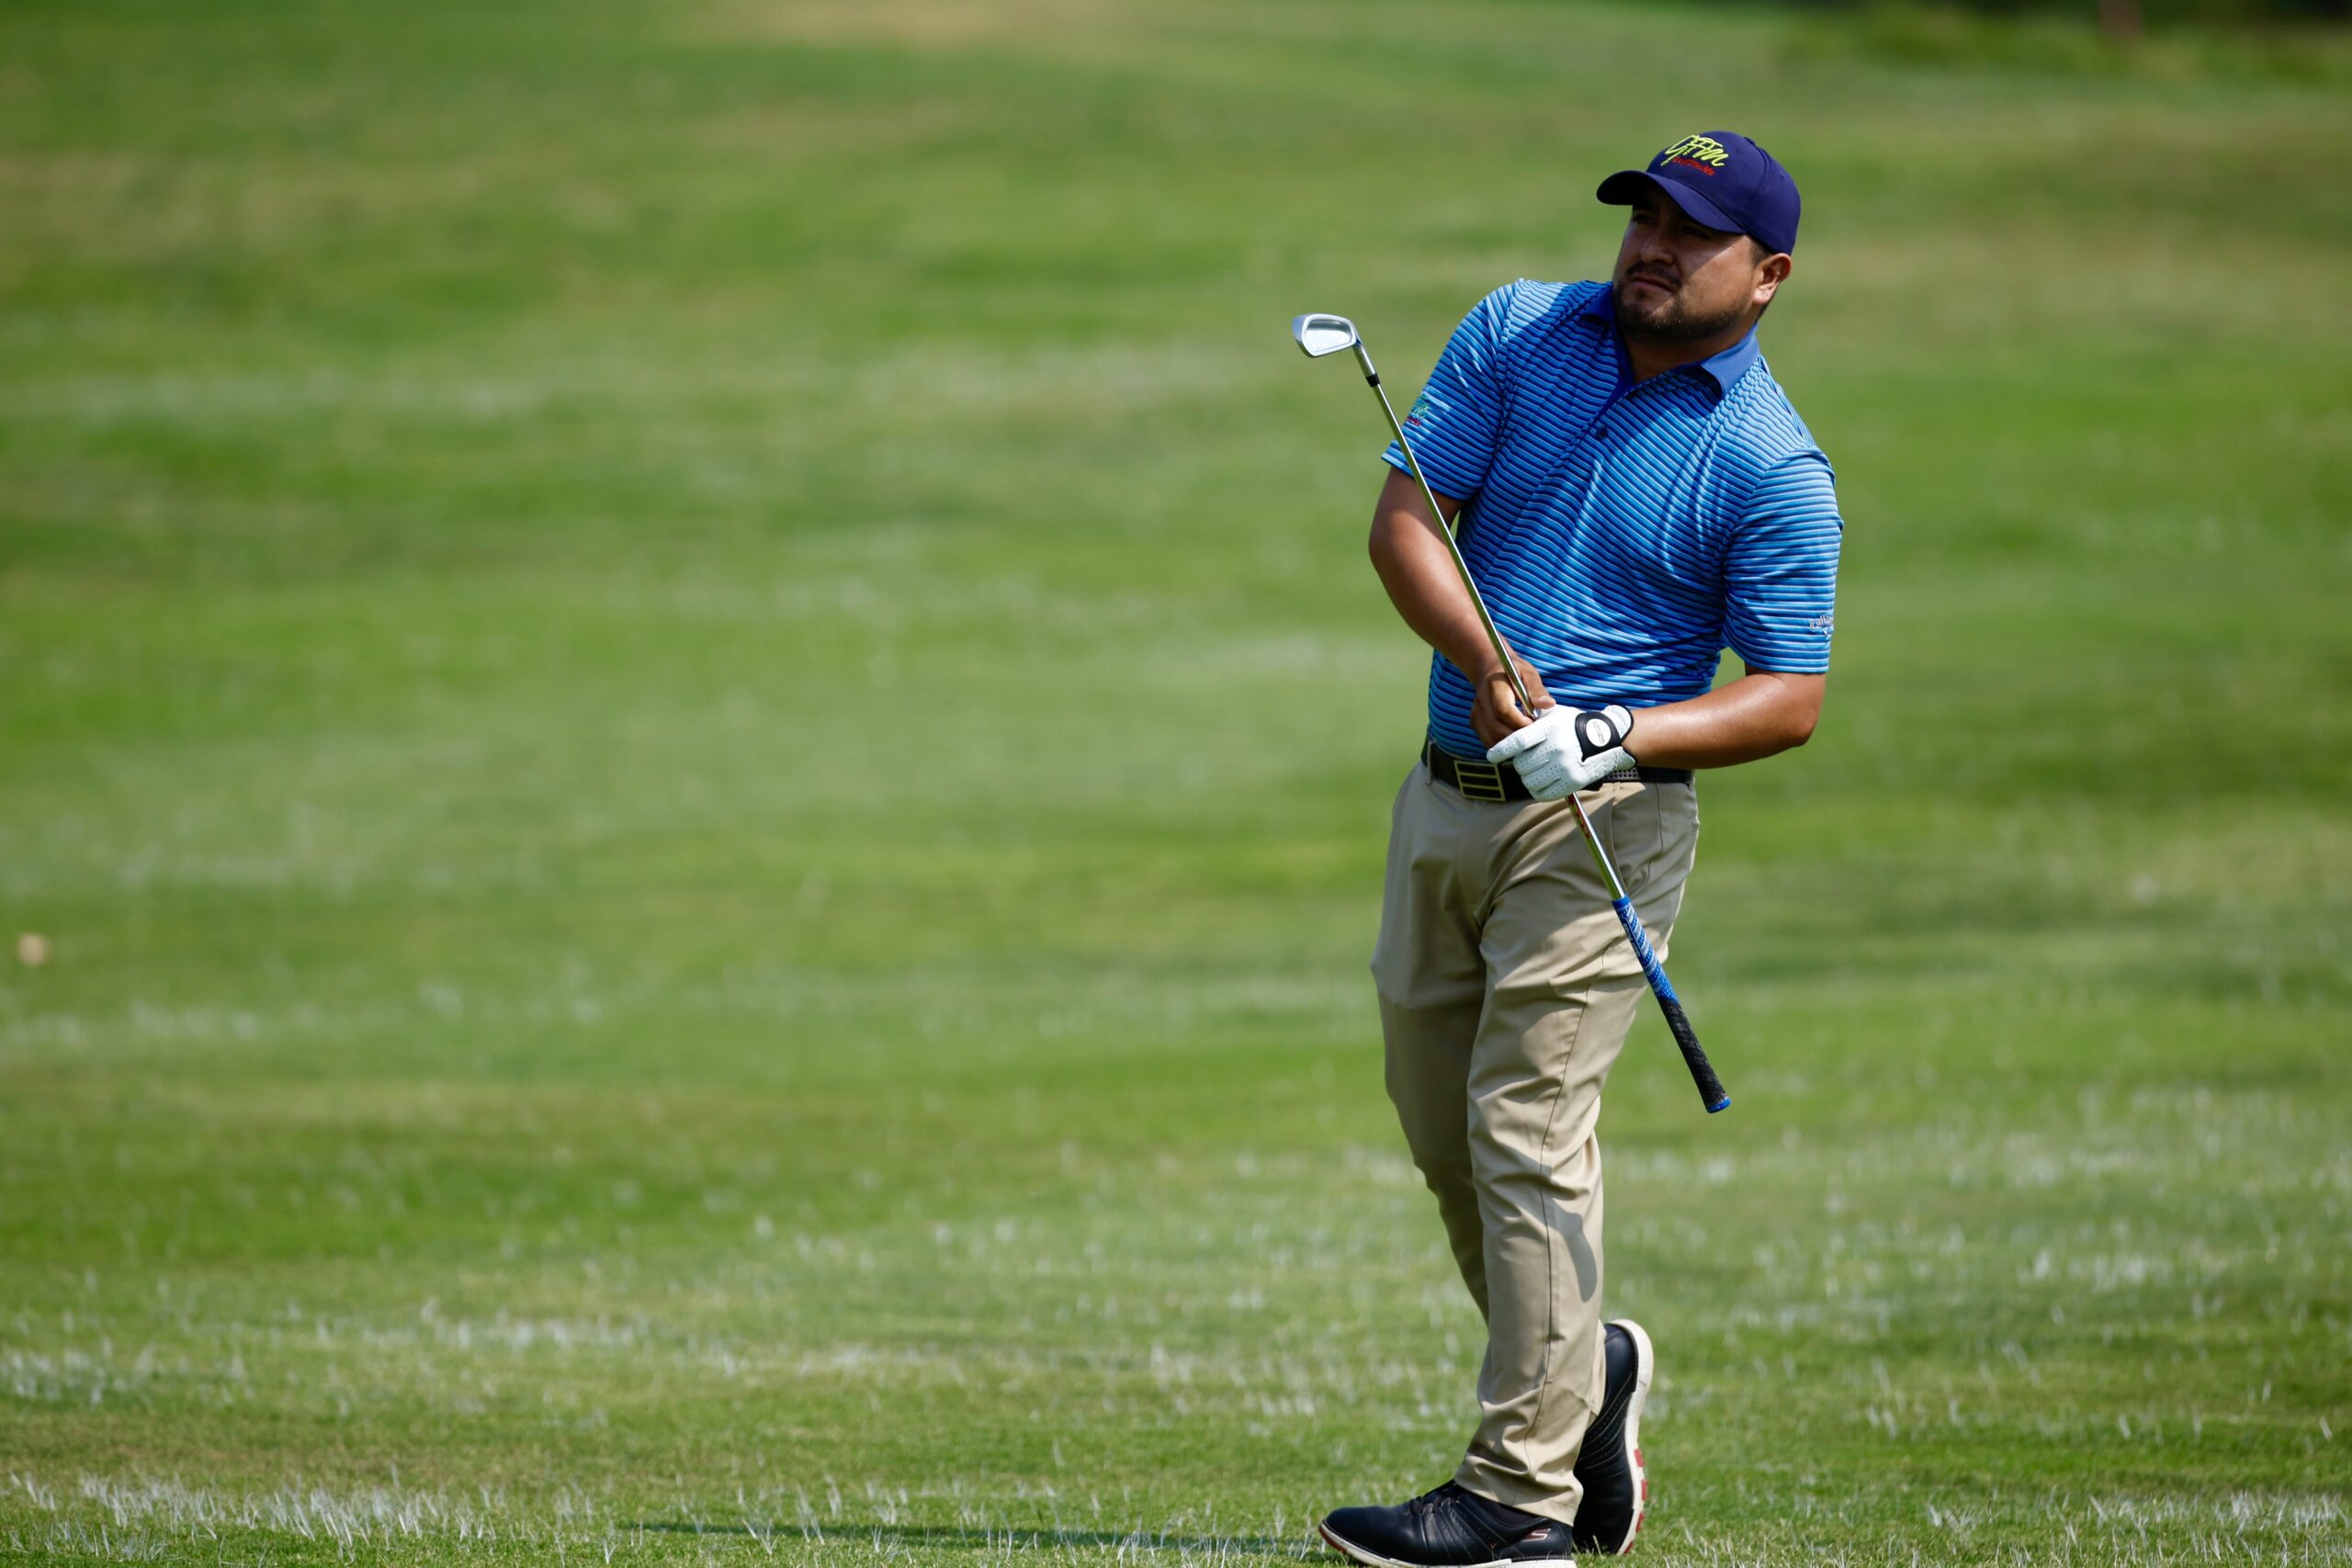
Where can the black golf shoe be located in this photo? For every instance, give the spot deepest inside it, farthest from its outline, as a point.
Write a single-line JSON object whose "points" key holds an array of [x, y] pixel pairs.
{"points": [[1608, 1467], [1448, 1528]]}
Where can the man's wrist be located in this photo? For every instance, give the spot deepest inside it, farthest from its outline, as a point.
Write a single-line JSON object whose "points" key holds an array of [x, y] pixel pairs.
{"points": [[1602, 730]]}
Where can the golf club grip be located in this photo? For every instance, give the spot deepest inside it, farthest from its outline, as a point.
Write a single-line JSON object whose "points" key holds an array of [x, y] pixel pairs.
{"points": [[1703, 1072]]}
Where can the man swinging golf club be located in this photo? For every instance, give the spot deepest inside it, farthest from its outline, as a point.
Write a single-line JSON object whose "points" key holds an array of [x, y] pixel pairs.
{"points": [[1635, 494]]}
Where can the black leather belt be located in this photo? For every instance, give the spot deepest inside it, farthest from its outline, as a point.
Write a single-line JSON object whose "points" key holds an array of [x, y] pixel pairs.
{"points": [[1481, 780]]}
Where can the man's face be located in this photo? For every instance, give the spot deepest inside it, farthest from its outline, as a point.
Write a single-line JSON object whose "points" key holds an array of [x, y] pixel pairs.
{"points": [[1680, 281]]}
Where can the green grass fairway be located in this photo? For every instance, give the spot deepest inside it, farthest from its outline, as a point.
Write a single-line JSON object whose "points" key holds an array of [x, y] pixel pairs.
{"points": [[691, 695]]}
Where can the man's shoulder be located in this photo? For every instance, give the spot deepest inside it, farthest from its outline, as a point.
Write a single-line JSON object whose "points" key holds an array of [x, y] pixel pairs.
{"points": [[1760, 427], [1526, 297], [1526, 316]]}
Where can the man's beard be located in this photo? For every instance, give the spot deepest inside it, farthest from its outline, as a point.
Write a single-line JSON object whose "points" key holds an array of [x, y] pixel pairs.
{"points": [[1675, 323]]}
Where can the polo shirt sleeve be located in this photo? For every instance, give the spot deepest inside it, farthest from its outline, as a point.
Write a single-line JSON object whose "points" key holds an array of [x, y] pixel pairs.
{"points": [[1781, 575], [1454, 422]]}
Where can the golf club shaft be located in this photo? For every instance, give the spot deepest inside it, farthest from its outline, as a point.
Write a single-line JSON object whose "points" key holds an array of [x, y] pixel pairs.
{"points": [[1686, 1038]]}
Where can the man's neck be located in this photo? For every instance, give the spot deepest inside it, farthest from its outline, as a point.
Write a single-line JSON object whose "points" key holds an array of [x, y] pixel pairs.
{"points": [[1648, 359]]}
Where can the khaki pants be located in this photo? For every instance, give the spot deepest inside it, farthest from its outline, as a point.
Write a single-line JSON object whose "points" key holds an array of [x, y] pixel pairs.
{"points": [[1505, 988]]}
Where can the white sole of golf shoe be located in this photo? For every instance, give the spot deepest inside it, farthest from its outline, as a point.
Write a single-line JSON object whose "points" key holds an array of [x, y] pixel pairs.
{"points": [[1348, 1549]]}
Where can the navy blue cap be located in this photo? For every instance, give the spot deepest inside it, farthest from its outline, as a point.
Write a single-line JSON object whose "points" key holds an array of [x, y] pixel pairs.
{"points": [[1722, 179]]}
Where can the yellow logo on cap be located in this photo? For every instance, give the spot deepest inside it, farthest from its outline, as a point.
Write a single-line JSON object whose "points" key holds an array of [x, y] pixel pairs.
{"points": [[1702, 153]]}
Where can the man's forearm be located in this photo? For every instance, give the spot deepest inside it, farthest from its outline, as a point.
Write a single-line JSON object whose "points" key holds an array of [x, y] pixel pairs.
{"points": [[1409, 552], [1417, 570], [1757, 715]]}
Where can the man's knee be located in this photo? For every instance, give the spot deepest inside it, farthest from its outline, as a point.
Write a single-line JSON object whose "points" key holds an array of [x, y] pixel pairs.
{"points": [[1437, 1134], [1427, 1074]]}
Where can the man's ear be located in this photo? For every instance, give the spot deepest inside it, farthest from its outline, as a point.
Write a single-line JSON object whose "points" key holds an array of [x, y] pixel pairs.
{"points": [[1771, 275]]}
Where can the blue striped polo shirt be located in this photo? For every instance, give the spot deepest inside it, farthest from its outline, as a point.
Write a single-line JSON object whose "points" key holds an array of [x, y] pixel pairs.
{"points": [[1623, 534]]}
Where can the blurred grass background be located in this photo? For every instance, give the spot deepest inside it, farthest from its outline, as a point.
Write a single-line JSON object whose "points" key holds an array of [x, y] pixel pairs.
{"points": [[692, 707]]}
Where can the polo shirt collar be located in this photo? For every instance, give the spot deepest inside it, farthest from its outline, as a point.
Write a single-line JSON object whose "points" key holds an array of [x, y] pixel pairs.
{"points": [[1722, 369]]}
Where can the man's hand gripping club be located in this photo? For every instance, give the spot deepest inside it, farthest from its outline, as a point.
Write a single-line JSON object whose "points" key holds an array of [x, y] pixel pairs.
{"points": [[1558, 751], [1565, 751]]}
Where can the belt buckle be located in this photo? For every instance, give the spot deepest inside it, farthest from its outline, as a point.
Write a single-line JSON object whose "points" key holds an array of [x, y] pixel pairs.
{"points": [[1480, 781]]}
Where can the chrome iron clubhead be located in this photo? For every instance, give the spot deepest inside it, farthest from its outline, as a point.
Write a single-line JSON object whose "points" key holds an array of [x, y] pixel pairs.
{"points": [[1319, 334]]}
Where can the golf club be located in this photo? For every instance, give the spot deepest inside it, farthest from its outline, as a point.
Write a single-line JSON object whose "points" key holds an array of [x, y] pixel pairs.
{"points": [[1319, 335]]}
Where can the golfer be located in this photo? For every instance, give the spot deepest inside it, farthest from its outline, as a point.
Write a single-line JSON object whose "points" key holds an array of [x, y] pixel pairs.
{"points": [[1636, 494]]}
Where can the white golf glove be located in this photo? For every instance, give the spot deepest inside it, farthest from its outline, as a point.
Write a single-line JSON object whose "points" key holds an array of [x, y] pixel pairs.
{"points": [[1565, 751]]}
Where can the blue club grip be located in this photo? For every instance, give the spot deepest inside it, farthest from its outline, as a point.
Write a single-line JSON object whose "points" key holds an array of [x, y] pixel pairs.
{"points": [[1703, 1072]]}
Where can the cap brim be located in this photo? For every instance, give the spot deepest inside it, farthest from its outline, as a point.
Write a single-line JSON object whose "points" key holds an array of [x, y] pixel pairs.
{"points": [[1621, 189]]}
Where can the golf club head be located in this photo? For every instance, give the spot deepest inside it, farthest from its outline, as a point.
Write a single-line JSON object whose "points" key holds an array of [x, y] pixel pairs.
{"points": [[1318, 334]]}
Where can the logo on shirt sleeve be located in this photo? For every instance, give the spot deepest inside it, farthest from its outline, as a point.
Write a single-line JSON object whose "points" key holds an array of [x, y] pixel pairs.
{"points": [[1822, 625], [1420, 406]]}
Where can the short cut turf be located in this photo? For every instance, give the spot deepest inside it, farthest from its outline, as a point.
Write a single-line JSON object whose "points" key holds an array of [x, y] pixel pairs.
{"points": [[691, 703]]}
